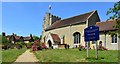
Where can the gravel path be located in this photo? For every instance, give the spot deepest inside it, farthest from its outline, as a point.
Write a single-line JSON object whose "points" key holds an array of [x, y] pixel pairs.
{"points": [[26, 58]]}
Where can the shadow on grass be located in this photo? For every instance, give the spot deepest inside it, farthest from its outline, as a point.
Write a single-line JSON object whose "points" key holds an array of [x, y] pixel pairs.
{"points": [[93, 58], [99, 60], [6, 62]]}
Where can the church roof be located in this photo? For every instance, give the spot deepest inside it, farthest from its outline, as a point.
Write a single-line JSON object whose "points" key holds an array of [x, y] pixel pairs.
{"points": [[107, 25], [55, 37], [70, 21]]}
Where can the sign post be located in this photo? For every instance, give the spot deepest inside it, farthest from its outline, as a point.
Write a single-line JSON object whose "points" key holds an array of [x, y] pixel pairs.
{"points": [[87, 49], [91, 33], [96, 50]]}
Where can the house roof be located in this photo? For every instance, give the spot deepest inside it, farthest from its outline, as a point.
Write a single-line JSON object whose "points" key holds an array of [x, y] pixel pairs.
{"points": [[17, 37], [55, 38], [26, 38], [8, 36], [70, 21], [107, 25]]}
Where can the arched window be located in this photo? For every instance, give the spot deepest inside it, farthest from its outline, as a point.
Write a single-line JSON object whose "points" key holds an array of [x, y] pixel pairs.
{"points": [[114, 39], [77, 37]]}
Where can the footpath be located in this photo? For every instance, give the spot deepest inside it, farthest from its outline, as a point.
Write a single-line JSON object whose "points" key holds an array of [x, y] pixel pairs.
{"points": [[26, 58]]}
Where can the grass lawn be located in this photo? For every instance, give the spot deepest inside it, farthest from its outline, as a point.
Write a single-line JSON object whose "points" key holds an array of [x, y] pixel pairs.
{"points": [[10, 55], [74, 55]]}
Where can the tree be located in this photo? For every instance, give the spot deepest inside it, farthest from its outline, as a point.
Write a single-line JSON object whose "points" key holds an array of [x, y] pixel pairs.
{"points": [[4, 40], [35, 38], [115, 12], [40, 37]]}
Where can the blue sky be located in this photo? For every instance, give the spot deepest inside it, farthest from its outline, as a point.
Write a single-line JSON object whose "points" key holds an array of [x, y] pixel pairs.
{"points": [[24, 18]]}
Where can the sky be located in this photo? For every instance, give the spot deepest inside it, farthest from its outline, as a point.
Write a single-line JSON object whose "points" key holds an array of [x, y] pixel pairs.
{"points": [[25, 18]]}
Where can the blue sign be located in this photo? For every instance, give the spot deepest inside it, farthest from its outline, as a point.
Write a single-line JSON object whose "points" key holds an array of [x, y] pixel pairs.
{"points": [[91, 33]]}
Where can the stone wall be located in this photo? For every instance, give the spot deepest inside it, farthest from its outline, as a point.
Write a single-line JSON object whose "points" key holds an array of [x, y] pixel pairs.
{"points": [[68, 33], [109, 44]]}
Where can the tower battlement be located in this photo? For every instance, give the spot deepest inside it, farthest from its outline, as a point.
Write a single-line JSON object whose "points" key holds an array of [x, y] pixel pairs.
{"points": [[49, 19]]}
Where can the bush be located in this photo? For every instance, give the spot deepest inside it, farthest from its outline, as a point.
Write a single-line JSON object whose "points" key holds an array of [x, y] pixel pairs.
{"points": [[7, 46], [38, 46], [81, 48], [4, 47], [18, 46], [10, 45], [43, 46], [21, 43], [29, 45], [4, 40]]}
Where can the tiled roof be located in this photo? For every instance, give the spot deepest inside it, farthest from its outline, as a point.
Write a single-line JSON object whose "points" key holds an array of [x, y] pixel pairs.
{"points": [[8, 36], [72, 20], [17, 37], [55, 38], [26, 38], [107, 25]]}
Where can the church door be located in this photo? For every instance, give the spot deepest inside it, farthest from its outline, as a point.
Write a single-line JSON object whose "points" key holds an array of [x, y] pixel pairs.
{"points": [[50, 43]]}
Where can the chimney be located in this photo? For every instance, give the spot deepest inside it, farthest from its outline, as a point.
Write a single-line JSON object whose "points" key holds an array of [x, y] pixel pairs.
{"points": [[13, 34], [3, 33], [31, 35]]}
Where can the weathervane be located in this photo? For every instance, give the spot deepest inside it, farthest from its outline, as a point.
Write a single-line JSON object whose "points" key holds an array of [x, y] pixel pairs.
{"points": [[49, 8]]}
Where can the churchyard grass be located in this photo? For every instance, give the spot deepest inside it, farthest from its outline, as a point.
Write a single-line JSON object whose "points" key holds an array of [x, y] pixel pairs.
{"points": [[74, 55], [10, 55]]}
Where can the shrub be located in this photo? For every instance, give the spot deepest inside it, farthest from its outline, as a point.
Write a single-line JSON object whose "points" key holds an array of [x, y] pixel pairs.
{"points": [[10, 45], [4, 40], [21, 43], [43, 46], [4, 47], [7, 46], [81, 48], [18, 46], [29, 45], [38, 46]]}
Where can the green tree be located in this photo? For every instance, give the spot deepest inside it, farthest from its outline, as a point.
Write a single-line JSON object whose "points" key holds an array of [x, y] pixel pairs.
{"points": [[40, 37], [115, 12], [4, 40], [35, 38]]}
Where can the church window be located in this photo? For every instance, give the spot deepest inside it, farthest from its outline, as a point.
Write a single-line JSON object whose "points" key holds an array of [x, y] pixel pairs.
{"points": [[77, 38], [114, 39]]}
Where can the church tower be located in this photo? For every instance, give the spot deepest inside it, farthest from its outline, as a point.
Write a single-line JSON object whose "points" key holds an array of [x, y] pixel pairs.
{"points": [[49, 19]]}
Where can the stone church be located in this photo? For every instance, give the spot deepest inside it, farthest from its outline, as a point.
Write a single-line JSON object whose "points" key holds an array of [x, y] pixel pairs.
{"points": [[70, 31]]}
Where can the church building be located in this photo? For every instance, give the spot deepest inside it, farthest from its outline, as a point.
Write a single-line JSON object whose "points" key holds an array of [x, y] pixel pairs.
{"points": [[70, 31]]}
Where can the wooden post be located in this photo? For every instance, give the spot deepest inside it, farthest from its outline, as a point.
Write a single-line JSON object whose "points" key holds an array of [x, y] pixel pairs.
{"points": [[96, 50], [87, 49]]}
